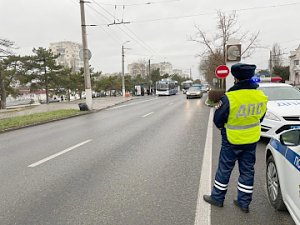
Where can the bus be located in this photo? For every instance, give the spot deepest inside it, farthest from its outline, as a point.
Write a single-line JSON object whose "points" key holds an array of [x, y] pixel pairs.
{"points": [[166, 87], [185, 85]]}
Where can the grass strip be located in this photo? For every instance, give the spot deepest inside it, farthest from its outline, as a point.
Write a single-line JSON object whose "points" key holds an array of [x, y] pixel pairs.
{"points": [[36, 118]]}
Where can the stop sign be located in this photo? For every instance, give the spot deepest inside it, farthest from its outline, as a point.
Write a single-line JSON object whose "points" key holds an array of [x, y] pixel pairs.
{"points": [[222, 71]]}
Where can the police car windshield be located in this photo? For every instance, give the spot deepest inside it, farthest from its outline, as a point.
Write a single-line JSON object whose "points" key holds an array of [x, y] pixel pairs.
{"points": [[281, 93]]}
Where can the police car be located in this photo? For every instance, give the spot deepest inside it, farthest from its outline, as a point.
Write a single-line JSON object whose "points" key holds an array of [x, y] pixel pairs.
{"points": [[283, 172], [283, 109]]}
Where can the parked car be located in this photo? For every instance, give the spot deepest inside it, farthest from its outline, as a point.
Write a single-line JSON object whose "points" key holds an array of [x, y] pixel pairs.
{"points": [[51, 100], [205, 87], [194, 92], [283, 172], [283, 109]]}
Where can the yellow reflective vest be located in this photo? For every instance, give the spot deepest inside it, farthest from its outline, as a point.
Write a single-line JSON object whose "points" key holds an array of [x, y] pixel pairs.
{"points": [[246, 108]]}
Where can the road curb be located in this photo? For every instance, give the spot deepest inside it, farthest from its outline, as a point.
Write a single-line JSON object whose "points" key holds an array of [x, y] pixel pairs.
{"points": [[68, 117]]}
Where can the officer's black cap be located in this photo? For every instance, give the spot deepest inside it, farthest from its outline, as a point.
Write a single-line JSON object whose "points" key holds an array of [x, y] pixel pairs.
{"points": [[242, 71]]}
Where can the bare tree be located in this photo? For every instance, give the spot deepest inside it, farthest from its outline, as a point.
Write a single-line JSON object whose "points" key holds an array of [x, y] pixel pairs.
{"points": [[210, 64], [6, 46], [214, 45], [276, 56]]}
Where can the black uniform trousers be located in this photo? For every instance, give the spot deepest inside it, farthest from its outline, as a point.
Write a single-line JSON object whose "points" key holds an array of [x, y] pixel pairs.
{"points": [[229, 154]]}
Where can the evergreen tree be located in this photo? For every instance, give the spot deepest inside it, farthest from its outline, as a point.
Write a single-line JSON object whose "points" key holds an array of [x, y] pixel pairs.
{"points": [[42, 70]]}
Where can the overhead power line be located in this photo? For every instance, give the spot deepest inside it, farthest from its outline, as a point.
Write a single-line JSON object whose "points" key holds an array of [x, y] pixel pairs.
{"points": [[136, 4], [136, 38], [113, 36], [141, 43], [213, 12]]}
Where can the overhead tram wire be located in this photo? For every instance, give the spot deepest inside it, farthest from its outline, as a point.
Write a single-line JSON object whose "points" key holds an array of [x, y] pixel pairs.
{"points": [[213, 13], [149, 47], [112, 36], [139, 40], [146, 46], [76, 2], [116, 39], [267, 7], [196, 15], [126, 33], [137, 4]]}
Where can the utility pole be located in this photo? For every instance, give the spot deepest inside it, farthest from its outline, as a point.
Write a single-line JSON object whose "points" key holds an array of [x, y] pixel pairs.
{"points": [[190, 73], [46, 80], [271, 64], [87, 76], [149, 68], [149, 74], [123, 78], [3, 92]]}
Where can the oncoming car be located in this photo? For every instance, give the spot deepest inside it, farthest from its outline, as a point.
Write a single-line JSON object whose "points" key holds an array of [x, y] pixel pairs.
{"points": [[283, 109], [283, 172], [194, 92]]}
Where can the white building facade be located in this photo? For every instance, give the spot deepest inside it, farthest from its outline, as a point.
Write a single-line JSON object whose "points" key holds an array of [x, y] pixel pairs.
{"points": [[164, 68], [142, 68], [135, 69], [295, 67], [68, 54]]}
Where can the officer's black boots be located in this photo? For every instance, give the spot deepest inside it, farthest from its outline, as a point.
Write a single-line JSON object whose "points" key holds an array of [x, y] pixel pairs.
{"points": [[245, 210], [211, 201]]}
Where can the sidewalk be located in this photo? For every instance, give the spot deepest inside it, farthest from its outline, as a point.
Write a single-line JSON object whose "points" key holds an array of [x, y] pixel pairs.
{"points": [[98, 104]]}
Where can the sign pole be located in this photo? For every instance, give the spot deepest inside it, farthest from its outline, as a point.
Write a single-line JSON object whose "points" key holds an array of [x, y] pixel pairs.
{"points": [[222, 72]]}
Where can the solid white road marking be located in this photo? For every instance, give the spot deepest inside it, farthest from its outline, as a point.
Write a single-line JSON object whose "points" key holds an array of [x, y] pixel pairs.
{"points": [[134, 103], [58, 154], [148, 114], [203, 210]]}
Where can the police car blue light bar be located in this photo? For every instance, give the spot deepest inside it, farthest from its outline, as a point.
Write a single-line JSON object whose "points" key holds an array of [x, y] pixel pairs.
{"points": [[266, 79]]}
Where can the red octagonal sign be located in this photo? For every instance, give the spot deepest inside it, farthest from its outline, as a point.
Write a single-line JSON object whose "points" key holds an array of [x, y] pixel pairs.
{"points": [[222, 71]]}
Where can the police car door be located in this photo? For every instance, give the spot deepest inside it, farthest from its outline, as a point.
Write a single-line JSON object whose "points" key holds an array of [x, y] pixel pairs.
{"points": [[291, 171]]}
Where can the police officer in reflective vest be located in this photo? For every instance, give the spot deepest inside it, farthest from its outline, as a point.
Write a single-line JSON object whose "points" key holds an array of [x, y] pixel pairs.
{"points": [[238, 116]]}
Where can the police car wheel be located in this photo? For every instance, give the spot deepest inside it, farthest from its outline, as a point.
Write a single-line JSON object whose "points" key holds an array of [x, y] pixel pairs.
{"points": [[273, 185]]}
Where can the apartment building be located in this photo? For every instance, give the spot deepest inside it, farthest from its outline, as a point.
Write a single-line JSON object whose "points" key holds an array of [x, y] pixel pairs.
{"points": [[68, 54], [135, 69], [295, 67], [142, 68]]}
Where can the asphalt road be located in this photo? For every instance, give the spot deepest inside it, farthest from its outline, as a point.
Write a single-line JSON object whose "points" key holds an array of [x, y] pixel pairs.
{"points": [[133, 164]]}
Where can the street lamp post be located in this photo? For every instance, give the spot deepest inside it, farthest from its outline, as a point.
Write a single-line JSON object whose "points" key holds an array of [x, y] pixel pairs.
{"points": [[123, 78], [149, 74]]}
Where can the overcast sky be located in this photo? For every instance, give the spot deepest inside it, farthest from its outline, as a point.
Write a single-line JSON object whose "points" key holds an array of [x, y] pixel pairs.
{"points": [[159, 30]]}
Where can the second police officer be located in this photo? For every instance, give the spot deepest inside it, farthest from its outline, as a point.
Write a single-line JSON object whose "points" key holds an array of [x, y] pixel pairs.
{"points": [[238, 116]]}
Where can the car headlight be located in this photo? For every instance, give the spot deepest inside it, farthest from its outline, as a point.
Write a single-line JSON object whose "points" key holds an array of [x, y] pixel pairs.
{"points": [[187, 93], [271, 116]]}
